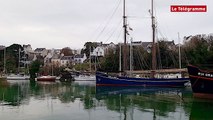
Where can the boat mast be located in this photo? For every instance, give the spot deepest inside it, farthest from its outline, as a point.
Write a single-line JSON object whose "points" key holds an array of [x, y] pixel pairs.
{"points": [[90, 62], [179, 51], [153, 40], [131, 58], [5, 60], [125, 31], [19, 50], [120, 57]]}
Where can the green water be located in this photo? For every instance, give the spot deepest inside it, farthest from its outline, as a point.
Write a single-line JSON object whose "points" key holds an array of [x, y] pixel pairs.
{"points": [[25, 100]]}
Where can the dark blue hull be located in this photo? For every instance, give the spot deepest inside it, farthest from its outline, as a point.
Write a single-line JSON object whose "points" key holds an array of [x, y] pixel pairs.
{"points": [[201, 82], [104, 80]]}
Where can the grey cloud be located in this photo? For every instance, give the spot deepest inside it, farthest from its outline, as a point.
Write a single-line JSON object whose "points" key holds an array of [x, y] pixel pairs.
{"points": [[60, 23]]}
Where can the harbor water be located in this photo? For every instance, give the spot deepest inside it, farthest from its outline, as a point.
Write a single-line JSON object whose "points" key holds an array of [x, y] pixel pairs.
{"points": [[29, 100]]}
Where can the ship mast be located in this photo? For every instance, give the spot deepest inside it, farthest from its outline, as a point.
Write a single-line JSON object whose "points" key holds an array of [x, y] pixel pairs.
{"points": [[125, 31], [179, 51], [4, 60], [153, 41]]}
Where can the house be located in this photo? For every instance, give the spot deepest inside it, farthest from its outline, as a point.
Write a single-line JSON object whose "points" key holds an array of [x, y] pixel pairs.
{"points": [[30, 58], [47, 59], [170, 44], [41, 51], [80, 58], [102, 49], [109, 46], [147, 46], [27, 48], [98, 51], [77, 51], [56, 60], [56, 51], [29, 54], [66, 60]]}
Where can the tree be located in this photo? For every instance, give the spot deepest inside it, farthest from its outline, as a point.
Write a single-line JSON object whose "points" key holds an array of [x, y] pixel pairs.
{"points": [[167, 54], [67, 51], [82, 67], [198, 50], [12, 57], [1, 60], [111, 60], [34, 68], [88, 47], [141, 58]]}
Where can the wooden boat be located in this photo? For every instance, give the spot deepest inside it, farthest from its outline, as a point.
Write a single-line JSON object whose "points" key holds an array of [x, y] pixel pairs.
{"points": [[201, 82], [107, 80], [46, 78]]}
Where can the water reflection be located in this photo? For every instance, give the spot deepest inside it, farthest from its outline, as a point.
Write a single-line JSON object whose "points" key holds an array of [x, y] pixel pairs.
{"points": [[62, 101], [152, 102], [12, 93], [201, 110]]}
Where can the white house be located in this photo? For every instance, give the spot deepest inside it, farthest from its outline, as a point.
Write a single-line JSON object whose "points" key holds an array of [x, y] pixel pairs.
{"points": [[47, 59], [98, 51], [111, 45], [56, 61], [80, 58], [66, 60]]}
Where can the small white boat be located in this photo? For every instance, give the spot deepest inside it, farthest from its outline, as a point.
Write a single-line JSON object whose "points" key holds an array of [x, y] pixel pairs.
{"points": [[17, 77], [85, 78]]}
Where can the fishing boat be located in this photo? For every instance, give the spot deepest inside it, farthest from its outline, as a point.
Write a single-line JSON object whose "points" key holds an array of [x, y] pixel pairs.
{"points": [[201, 82], [46, 78], [103, 79]]}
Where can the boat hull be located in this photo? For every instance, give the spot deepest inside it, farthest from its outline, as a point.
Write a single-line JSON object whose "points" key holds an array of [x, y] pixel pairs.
{"points": [[46, 78], [85, 78], [104, 80], [201, 82], [17, 77]]}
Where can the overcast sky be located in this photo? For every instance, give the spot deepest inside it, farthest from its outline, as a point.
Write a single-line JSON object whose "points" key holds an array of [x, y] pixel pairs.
{"points": [[71, 23]]}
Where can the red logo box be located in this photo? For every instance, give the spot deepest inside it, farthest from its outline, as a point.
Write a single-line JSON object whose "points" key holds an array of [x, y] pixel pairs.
{"points": [[188, 8]]}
